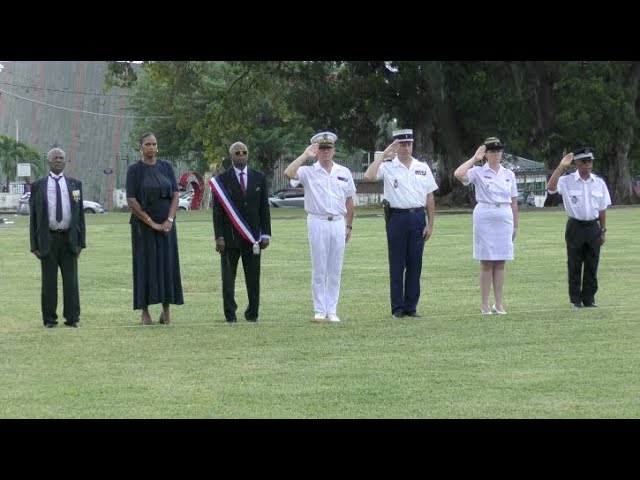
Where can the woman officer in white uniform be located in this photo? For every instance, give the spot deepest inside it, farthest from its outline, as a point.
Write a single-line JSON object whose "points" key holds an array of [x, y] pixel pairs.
{"points": [[495, 218]]}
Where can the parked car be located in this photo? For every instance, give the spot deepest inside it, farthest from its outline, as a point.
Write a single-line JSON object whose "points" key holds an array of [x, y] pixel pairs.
{"points": [[184, 202], [88, 205], [528, 199], [92, 207], [287, 197]]}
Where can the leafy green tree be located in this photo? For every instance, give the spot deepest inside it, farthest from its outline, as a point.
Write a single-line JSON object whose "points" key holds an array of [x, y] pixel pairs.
{"points": [[198, 109], [540, 109]]}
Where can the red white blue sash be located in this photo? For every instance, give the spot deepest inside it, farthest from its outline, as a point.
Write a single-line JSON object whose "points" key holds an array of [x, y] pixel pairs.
{"points": [[232, 212]]}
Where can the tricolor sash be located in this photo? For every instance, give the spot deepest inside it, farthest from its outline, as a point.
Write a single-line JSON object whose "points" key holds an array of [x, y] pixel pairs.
{"points": [[239, 223]]}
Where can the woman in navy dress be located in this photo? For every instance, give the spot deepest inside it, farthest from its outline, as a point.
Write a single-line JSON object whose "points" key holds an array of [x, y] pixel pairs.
{"points": [[152, 196]]}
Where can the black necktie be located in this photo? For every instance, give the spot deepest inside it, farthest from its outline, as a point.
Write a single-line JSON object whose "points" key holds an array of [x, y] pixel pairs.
{"points": [[58, 200]]}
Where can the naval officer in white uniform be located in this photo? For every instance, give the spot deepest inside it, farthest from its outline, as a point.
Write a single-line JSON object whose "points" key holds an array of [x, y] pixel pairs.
{"points": [[495, 218], [328, 201]]}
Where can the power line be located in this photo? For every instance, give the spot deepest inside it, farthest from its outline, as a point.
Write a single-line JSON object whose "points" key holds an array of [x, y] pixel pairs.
{"points": [[33, 87], [82, 111]]}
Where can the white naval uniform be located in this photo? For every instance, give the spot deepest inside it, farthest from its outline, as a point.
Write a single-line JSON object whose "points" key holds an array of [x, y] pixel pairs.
{"points": [[324, 201], [492, 216]]}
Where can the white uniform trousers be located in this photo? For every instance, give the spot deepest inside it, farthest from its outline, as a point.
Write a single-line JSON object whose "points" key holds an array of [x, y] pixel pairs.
{"points": [[326, 245]]}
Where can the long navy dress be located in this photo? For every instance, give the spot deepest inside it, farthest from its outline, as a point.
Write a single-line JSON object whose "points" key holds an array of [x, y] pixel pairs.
{"points": [[156, 265]]}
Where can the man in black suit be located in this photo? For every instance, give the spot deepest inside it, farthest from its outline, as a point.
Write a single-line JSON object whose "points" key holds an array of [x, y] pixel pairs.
{"points": [[242, 228], [57, 232]]}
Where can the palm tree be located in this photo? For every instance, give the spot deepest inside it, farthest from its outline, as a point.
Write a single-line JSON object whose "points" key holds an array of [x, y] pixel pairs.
{"points": [[13, 152]]}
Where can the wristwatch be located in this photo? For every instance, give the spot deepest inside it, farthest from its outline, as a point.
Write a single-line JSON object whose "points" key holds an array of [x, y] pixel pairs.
{"points": [[170, 219], [603, 230]]}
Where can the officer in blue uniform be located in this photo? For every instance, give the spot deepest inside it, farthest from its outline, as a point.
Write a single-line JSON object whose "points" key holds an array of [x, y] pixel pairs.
{"points": [[408, 187]]}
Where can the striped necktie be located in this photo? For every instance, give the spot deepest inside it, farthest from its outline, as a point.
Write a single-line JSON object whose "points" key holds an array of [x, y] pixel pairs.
{"points": [[242, 185]]}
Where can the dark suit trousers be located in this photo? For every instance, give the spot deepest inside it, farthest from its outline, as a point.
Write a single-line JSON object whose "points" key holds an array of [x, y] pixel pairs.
{"points": [[405, 246], [583, 250], [60, 256], [251, 266]]}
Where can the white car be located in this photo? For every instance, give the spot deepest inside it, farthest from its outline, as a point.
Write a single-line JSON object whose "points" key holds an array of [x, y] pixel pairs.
{"points": [[184, 203], [87, 205]]}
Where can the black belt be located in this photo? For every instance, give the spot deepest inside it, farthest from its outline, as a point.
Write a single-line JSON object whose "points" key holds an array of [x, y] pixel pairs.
{"points": [[406, 210], [586, 223], [58, 232]]}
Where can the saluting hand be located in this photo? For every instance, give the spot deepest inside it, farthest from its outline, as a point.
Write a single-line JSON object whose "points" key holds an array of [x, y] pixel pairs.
{"points": [[566, 160], [480, 152], [311, 150], [391, 150]]}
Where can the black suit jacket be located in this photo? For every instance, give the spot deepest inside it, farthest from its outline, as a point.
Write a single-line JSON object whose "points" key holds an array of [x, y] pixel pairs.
{"points": [[253, 206], [39, 217]]}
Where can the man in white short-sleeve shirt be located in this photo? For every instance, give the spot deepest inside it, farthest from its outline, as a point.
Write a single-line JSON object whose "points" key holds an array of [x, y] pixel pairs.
{"points": [[328, 200]]}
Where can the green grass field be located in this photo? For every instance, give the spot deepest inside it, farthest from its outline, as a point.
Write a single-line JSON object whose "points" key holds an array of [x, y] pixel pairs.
{"points": [[542, 360]]}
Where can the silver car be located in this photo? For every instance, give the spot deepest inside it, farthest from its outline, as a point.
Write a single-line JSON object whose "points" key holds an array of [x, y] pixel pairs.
{"points": [[287, 197]]}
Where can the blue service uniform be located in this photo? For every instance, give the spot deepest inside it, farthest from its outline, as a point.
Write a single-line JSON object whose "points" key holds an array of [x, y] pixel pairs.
{"points": [[406, 190]]}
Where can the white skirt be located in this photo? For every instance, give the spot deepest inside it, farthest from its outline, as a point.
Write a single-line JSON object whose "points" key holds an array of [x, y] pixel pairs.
{"points": [[492, 231]]}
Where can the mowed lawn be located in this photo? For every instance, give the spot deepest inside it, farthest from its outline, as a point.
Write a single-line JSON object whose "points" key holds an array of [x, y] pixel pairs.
{"points": [[542, 360]]}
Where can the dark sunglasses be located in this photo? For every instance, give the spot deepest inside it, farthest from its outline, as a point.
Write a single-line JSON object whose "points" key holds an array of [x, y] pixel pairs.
{"points": [[238, 153]]}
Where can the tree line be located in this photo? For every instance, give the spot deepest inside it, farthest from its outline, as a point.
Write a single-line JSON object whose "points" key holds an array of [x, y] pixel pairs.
{"points": [[540, 109]]}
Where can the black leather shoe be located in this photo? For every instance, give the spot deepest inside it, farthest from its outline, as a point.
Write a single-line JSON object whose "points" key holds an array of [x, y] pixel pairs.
{"points": [[576, 305], [397, 315], [591, 305], [230, 320], [49, 325], [249, 319], [72, 324], [413, 314]]}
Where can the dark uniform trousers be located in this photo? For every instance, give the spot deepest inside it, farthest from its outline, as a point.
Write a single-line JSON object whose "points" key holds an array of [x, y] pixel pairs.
{"points": [[251, 266], [405, 246], [60, 256], [583, 249]]}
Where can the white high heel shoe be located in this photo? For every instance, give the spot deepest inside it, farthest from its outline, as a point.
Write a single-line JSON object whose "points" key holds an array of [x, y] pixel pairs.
{"points": [[485, 312], [500, 311]]}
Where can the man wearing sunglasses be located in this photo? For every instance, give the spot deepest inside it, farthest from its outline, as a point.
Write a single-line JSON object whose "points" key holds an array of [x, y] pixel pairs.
{"points": [[585, 198], [242, 228], [328, 201]]}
